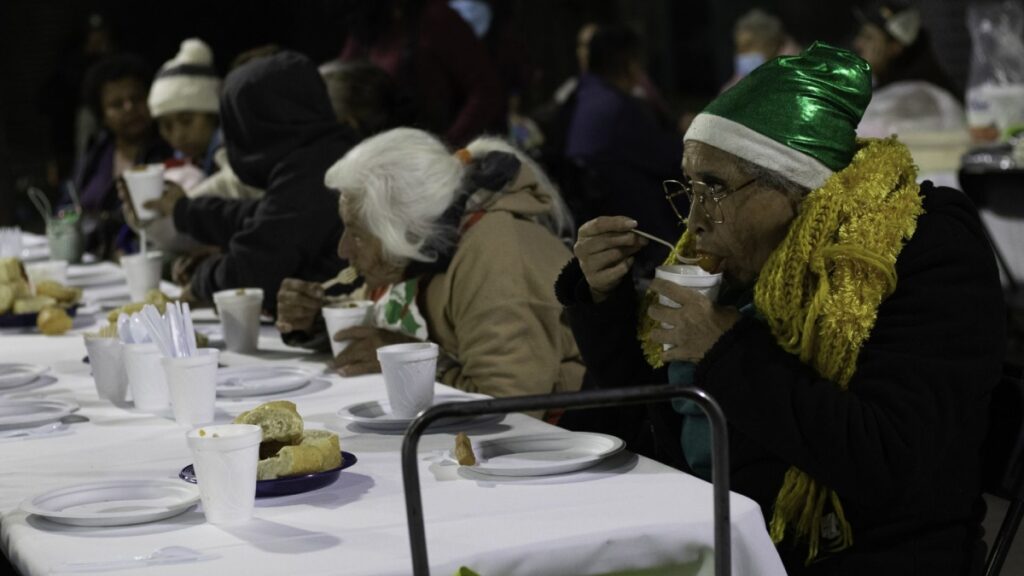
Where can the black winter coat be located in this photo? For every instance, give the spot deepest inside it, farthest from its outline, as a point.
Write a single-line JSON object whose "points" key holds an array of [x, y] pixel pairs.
{"points": [[901, 446], [281, 135]]}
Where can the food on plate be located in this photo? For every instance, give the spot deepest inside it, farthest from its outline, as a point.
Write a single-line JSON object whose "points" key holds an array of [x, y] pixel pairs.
{"points": [[11, 270], [62, 294], [279, 420], [6, 298], [319, 450], [464, 450], [48, 301], [32, 304], [287, 448], [53, 321]]}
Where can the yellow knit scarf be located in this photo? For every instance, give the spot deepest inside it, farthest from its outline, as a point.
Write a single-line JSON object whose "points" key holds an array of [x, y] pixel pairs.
{"points": [[819, 292]]}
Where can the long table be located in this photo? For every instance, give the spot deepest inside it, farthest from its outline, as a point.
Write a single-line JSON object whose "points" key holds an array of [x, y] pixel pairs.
{"points": [[628, 514]]}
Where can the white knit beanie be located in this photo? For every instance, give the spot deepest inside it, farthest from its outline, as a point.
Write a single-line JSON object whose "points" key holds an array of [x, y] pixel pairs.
{"points": [[187, 82]]}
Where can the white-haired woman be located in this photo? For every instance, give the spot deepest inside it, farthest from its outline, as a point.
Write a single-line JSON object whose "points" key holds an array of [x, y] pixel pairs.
{"points": [[461, 249]]}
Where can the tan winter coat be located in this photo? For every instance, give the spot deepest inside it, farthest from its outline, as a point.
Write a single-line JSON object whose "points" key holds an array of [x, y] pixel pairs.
{"points": [[494, 312]]}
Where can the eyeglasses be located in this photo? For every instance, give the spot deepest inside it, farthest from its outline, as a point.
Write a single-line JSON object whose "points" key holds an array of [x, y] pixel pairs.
{"points": [[695, 188]]}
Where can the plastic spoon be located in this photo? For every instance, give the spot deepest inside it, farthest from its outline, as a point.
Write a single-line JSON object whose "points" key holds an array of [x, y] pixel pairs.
{"points": [[160, 556], [124, 330]]}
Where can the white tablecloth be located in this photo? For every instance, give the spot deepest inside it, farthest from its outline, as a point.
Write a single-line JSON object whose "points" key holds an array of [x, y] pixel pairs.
{"points": [[626, 514]]}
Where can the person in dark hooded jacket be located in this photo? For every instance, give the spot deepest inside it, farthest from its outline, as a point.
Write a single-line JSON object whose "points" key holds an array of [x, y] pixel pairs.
{"points": [[281, 135]]}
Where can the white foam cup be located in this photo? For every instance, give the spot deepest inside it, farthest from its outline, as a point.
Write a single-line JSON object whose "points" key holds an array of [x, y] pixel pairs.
{"points": [[345, 315], [146, 377], [144, 184], [192, 381], [225, 458], [142, 272], [106, 360], [239, 312], [689, 276], [409, 376]]}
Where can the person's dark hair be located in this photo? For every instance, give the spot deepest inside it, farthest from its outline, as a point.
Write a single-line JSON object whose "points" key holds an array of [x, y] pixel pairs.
{"points": [[365, 93], [612, 48], [918, 62], [110, 69]]}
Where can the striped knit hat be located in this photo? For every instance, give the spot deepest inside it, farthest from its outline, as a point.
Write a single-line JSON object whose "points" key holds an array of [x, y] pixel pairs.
{"points": [[187, 82], [795, 115]]}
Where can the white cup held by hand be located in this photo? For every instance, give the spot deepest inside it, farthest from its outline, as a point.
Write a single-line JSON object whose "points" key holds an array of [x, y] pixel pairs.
{"points": [[192, 381], [239, 312], [225, 459], [689, 276], [145, 183], [409, 376], [142, 271], [146, 377], [108, 369], [345, 315]]}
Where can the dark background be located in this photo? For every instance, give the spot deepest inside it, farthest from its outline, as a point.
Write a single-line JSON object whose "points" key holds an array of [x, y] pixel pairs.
{"points": [[688, 45]]}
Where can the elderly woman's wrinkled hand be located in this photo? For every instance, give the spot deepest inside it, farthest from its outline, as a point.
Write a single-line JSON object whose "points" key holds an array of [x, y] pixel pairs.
{"points": [[298, 305], [605, 248], [361, 355], [694, 327], [164, 205]]}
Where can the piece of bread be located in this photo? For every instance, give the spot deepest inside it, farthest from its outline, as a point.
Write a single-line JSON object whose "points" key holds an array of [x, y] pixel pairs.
{"points": [[319, 450], [33, 304], [53, 321], [6, 298], [464, 450], [278, 419], [59, 292], [290, 461], [10, 270], [21, 289], [327, 443]]}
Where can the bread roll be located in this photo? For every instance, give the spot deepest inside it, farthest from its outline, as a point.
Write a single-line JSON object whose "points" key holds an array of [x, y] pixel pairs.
{"points": [[10, 270], [320, 450], [278, 419], [59, 292], [53, 321], [328, 445], [6, 298], [33, 305], [290, 461]]}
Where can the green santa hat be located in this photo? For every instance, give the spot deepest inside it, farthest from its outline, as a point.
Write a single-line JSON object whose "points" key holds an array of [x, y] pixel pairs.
{"points": [[795, 115]]}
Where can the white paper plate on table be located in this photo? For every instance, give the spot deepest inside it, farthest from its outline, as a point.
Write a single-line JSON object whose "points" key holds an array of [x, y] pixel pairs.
{"points": [[88, 276], [376, 414], [259, 380], [14, 374], [543, 454], [114, 502], [26, 413]]}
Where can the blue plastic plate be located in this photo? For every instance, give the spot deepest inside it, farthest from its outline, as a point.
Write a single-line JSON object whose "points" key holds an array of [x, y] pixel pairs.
{"points": [[288, 484]]}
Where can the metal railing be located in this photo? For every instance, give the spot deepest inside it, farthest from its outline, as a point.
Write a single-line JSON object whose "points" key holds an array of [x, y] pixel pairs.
{"points": [[586, 399]]}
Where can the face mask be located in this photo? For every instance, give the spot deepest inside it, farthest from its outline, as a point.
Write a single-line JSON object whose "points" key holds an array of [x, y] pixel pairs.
{"points": [[476, 13], [746, 63]]}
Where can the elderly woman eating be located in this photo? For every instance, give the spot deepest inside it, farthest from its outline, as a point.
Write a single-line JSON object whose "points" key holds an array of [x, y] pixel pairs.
{"points": [[459, 249], [856, 337]]}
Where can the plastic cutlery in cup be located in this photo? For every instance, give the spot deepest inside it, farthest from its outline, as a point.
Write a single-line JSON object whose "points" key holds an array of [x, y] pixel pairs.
{"points": [[160, 556]]}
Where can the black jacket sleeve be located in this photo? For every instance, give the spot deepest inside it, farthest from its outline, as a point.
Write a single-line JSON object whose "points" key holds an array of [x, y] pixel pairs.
{"points": [[212, 219], [605, 332]]}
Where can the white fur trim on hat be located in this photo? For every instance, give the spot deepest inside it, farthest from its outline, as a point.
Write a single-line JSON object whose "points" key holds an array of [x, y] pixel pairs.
{"points": [[754, 147], [187, 82]]}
